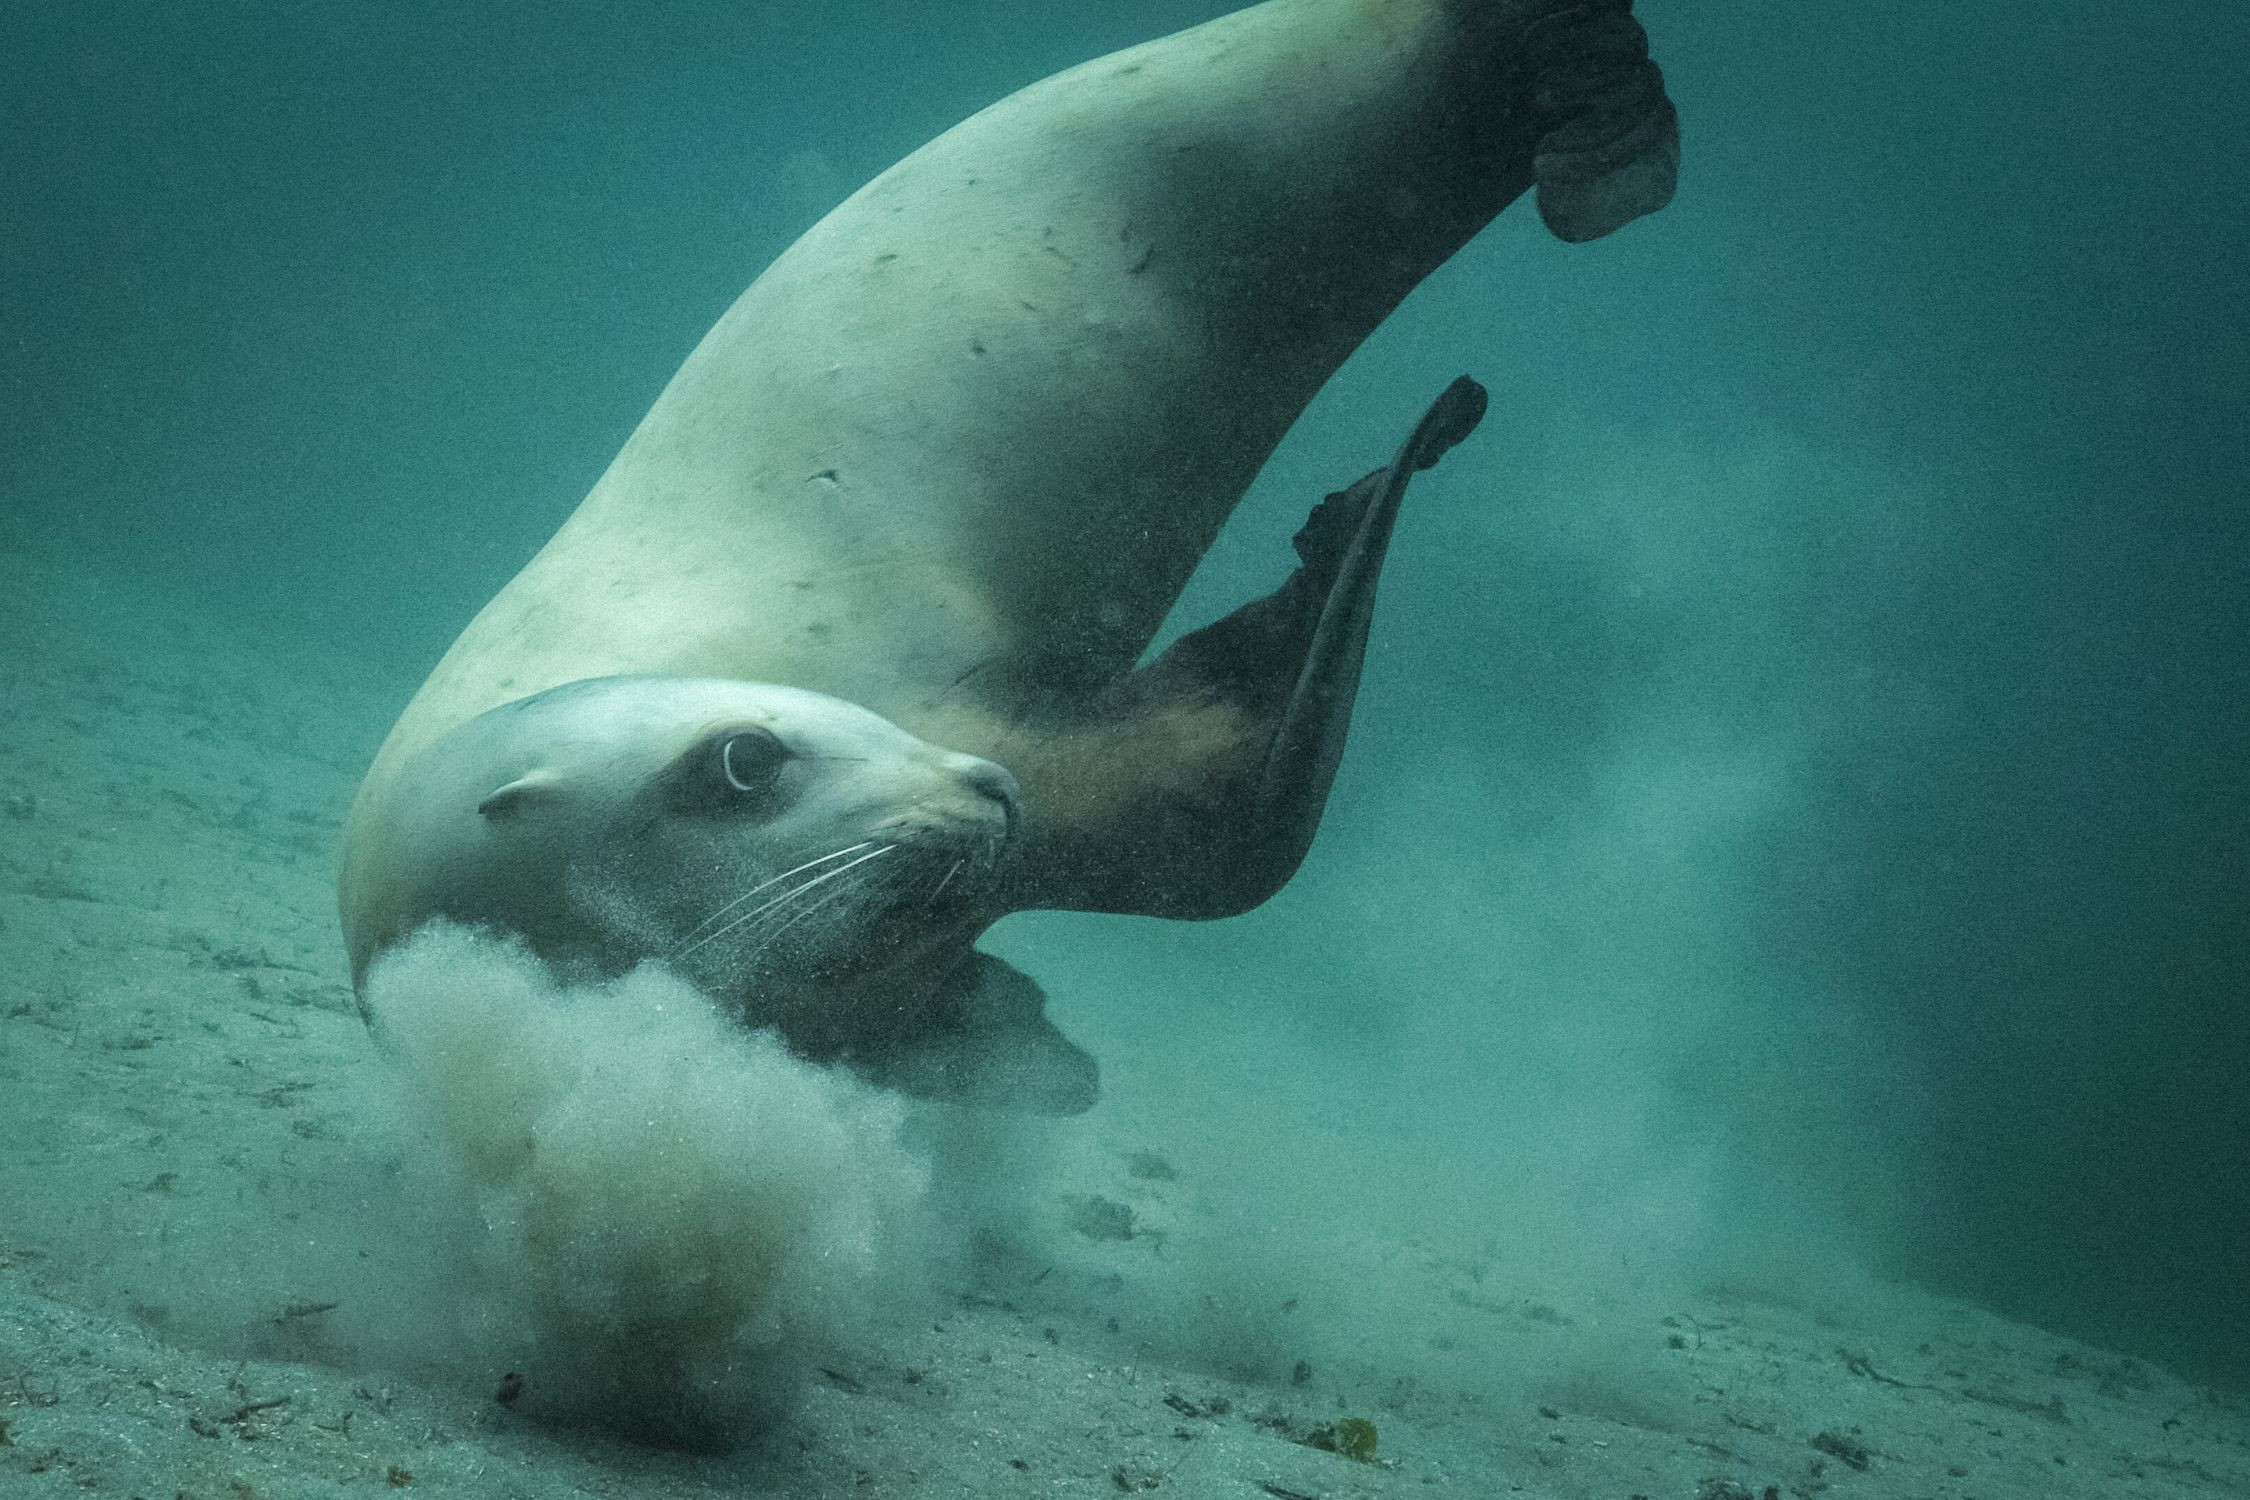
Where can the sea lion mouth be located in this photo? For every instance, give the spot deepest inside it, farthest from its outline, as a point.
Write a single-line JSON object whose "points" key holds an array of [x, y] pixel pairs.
{"points": [[942, 876], [964, 884]]}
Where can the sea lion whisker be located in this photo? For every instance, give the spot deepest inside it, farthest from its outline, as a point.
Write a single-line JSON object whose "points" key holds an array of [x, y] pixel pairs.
{"points": [[690, 934], [686, 947], [939, 889], [826, 900], [785, 897], [776, 908], [781, 911]]}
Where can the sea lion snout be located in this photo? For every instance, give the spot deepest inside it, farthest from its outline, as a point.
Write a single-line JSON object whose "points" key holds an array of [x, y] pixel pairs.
{"points": [[988, 779], [968, 807]]}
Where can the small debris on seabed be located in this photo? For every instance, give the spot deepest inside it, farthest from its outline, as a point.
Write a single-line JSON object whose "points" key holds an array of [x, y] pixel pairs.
{"points": [[1217, 1406], [1725, 1489], [1099, 1218], [1838, 1446], [306, 1310], [1352, 1437]]}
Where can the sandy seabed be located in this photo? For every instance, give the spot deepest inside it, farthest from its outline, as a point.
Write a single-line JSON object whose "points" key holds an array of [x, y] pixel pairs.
{"points": [[209, 1288]]}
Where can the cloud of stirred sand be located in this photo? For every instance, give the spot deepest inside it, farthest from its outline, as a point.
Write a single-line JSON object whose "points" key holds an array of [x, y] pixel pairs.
{"points": [[678, 1211]]}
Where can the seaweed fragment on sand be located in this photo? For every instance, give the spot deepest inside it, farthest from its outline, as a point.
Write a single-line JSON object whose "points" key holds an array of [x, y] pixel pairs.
{"points": [[1352, 1437]]}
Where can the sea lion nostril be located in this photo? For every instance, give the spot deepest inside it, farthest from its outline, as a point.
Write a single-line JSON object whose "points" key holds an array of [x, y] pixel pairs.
{"points": [[990, 778]]}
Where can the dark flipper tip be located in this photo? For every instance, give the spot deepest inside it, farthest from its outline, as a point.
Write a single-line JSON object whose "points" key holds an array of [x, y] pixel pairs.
{"points": [[1582, 197], [1452, 417], [1609, 139]]}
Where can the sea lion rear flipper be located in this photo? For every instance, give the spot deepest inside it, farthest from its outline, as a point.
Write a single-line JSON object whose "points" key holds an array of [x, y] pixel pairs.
{"points": [[992, 1045], [1199, 787], [1609, 139]]}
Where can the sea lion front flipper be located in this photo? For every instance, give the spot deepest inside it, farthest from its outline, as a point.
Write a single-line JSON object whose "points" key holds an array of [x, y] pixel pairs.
{"points": [[1198, 787], [990, 1044], [1308, 742]]}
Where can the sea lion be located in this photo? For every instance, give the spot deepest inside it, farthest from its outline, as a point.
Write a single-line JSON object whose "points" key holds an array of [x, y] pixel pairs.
{"points": [[936, 479]]}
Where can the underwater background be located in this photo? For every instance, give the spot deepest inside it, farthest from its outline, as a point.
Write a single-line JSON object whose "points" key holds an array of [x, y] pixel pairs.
{"points": [[1799, 809]]}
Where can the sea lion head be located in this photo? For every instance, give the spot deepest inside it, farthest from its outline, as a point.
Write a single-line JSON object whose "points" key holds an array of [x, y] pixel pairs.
{"points": [[793, 855]]}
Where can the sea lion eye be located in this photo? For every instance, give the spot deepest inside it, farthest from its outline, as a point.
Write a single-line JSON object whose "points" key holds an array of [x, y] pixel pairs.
{"points": [[751, 759]]}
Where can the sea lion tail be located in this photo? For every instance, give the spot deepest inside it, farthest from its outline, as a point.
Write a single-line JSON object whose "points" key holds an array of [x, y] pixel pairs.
{"points": [[1608, 137]]}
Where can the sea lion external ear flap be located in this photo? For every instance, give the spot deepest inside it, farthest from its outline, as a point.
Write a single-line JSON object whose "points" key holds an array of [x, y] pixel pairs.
{"points": [[523, 792]]}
